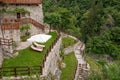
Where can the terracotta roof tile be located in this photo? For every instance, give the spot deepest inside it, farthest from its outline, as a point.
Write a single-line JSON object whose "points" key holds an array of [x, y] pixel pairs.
{"points": [[21, 1]]}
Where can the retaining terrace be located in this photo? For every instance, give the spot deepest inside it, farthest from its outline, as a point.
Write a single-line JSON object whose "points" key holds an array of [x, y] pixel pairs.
{"points": [[18, 71]]}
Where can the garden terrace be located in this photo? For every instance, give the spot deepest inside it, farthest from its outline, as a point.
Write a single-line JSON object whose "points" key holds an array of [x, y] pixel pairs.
{"points": [[29, 57]]}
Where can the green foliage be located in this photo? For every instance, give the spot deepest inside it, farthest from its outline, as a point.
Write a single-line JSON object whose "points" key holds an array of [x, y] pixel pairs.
{"points": [[106, 43], [95, 22], [24, 38], [112, 71], [25, 32], [20, 10], [103, 71], [61, 19], [69, 70], [68, 41], [14, 45], [17, 10], [24, 27]]}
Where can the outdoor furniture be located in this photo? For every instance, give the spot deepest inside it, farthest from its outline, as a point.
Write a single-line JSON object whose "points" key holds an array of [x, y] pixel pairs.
{"points": [[36, 44], [37, 48]]}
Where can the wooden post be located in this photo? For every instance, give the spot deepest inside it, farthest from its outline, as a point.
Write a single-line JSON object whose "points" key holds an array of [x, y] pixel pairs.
{"points": [[15, 72], [0, 73], [41, 70], [29, 71], [43, 63]]}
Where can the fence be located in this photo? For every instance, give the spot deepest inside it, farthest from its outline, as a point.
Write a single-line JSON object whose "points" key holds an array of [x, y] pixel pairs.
{"points": [[21, 70], [49, 50]]}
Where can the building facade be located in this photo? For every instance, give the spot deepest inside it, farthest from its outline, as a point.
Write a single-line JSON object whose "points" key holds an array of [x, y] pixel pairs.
{"points": [[16, 13]]}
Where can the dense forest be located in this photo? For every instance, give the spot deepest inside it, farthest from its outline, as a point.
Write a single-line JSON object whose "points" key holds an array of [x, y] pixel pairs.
{"points": [[97, 24]]}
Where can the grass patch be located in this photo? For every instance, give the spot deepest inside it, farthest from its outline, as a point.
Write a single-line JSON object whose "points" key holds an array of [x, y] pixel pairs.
{"points": [[71, 63], [68, 41], [29, 57], [94, 65]]}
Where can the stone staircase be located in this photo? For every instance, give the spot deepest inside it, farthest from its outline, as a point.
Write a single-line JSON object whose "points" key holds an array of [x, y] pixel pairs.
{"points": [[82, 67], [32, 21]]}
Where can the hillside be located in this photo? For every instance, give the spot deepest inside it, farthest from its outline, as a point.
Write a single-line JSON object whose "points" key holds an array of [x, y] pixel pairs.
{"points": [[97, 24]]}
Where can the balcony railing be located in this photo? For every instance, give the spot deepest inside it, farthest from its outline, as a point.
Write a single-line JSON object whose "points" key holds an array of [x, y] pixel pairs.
{"points": [[15, 23]]}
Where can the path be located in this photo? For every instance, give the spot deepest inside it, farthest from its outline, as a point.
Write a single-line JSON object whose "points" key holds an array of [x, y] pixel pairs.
{"points": [[82, 67], [23, 45]]}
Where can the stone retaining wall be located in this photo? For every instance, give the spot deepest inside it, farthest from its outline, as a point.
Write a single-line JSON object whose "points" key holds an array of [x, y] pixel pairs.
{"points": [[51, 61]]}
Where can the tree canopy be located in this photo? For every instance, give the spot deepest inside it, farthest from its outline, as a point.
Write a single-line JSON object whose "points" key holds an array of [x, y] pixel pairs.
{"points": [[95, 22]]}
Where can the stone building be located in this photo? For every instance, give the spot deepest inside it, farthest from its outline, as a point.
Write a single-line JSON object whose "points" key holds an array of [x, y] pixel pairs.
{"points": [[13, 15], [16, 13]]}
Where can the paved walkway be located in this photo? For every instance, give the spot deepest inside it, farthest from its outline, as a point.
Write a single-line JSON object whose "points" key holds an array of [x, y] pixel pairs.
{"points": [[23, 45]]}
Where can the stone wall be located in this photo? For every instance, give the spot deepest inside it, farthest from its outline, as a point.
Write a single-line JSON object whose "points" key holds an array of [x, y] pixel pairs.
{"points": [[8, 34], [51, 61], [36, 12], [35, 30]]}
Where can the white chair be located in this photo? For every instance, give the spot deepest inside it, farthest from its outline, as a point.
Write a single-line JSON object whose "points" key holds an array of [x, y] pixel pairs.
{"points": [[36, 44], [37, 48]]}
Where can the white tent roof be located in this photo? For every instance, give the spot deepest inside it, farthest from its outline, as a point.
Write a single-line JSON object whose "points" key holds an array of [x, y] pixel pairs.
{"points": [[39, 38]]}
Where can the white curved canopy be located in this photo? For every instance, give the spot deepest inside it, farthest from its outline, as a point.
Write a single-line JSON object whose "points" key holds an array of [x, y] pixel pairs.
{"points": [[42, 38]]}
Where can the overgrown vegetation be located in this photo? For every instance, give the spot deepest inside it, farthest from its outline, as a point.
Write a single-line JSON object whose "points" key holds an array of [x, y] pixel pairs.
{"points": [[25, 33], [95, 22], [68, 41], [103, 72], [17, 10]]}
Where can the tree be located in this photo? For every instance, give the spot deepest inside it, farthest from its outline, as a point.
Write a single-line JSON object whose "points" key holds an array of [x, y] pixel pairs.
{"points": [[25, 30], [92, 21]]}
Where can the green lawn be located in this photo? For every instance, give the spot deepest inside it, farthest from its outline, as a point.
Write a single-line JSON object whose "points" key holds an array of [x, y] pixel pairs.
{"points": [[28, 57], [71, 63], [68, 41]]}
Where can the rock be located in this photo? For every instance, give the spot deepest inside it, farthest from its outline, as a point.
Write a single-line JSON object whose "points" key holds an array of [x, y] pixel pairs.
{"points": [[63, 65]]}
